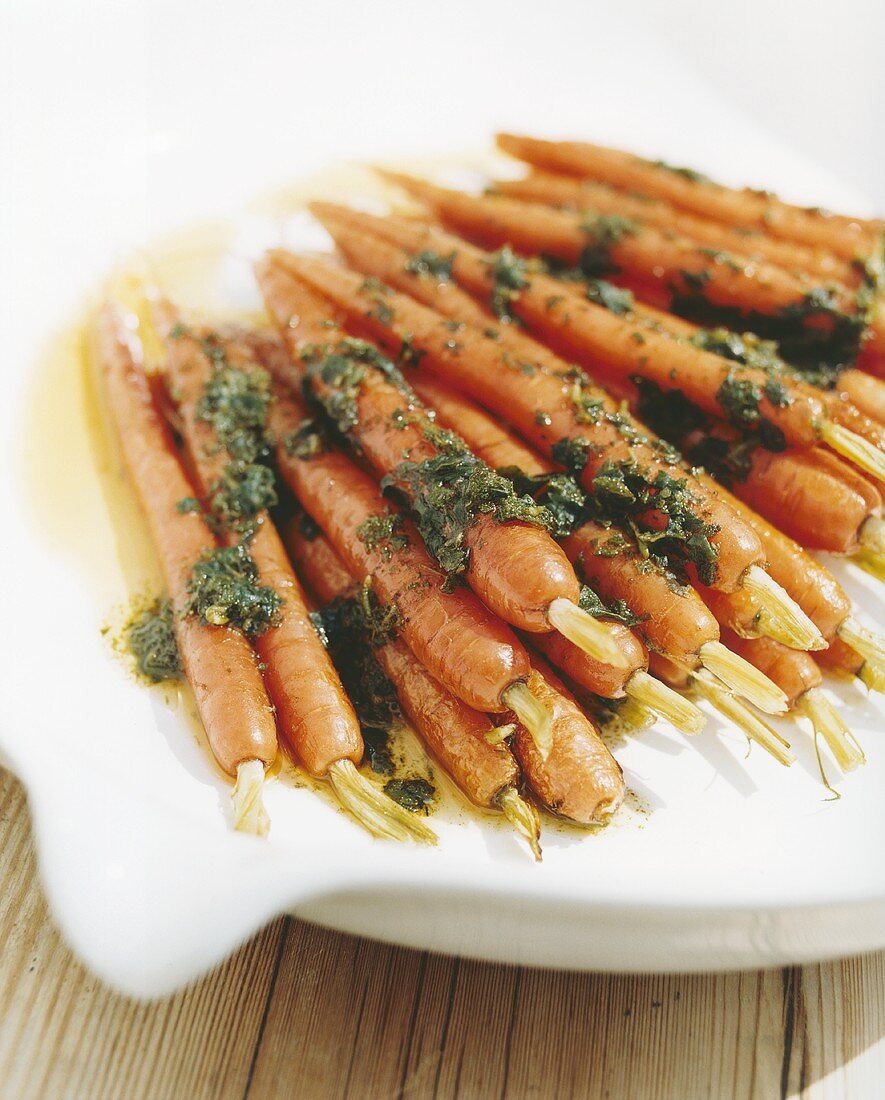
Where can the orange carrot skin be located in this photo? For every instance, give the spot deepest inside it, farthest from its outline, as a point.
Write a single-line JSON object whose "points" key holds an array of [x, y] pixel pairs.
{"points": [[793, 671], [313, 711], [454, 733], [674, 621], [580, 779], [318, 564], [218, 662], [461, 643], [847, 237], [476, 367], [840, 658], [593, 675], [578, 194], [863, 391], [672, 674]]}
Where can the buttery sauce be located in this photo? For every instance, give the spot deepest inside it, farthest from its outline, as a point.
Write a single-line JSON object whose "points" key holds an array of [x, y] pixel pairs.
{"points": [[77, 491]]}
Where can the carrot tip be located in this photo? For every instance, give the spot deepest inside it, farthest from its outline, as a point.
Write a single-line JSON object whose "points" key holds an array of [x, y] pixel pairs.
{"points": [[378, 814], [249, 813], [744, 718], [865, 455], [781, 617], [665, 702], [532, 714], [744, 679], [594, 637], [827, 722], [524, 818]]}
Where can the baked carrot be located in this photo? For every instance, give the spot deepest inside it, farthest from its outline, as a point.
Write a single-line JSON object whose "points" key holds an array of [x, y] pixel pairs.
{"points": [[461, 643], [463, 740], [799, 677], [218, 661], [673, 618], [579, 779], [847, 237], [496, 538], [568, 412], [313, 711], [578, 194], [673, 267], [583, 329], [779, 487]]}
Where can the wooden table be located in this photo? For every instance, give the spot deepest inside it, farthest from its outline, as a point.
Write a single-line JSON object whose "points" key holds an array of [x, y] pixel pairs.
{"points": [[302, 1012]]}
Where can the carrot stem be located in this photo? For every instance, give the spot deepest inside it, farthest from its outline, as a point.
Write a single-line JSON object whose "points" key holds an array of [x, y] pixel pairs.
{"points": [[377, 813], [827, 722], [744, 679], [249, 813], [865, 455], [744, 718], [782, 618], [664, 701], [524, 818], [532, 714], [587, 633]]}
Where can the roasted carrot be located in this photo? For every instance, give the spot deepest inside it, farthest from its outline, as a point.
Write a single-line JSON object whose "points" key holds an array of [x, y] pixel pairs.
{"points": [[580, 779], [583, 329], [219, 663], [548, 410], [512, 563], [312, 708], [673, 618], [463, 740], [579, 194], [847, 237], [461, 643], [658, 257], [669, 267]]}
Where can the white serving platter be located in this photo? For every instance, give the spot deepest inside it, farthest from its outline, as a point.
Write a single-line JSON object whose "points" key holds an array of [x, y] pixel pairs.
{"points": [[132, 121]]}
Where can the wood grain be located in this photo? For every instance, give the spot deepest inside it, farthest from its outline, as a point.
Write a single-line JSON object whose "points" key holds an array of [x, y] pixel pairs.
{"points": [[303, 1012]]}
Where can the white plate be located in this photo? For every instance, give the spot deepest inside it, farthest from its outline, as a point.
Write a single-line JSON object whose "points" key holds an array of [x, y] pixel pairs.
{"points": [[130, 120]]}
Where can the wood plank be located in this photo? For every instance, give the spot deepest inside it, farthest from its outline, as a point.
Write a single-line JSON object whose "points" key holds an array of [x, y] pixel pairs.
{"points": [[64, 1034], [303, 1012]]}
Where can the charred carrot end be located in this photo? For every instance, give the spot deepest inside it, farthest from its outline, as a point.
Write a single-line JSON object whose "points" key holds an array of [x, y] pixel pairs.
{"points": [[870, 646], [249, 813], [872, 535], [524, 818], [867, 456], [743, 678], [781, 618], [828, 724], [674, 708], [744, 718], [532, 714], [587, 633], [378, 814]]}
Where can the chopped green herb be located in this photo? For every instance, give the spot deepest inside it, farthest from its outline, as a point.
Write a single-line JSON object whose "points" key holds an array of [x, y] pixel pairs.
{"points": [[224, 591], [150, 637], [306, 441], [188, 504], [618, 611], [604, 231], [560, 494], [414, 794], [571, 452], [429, 264], [510, 276], [383, 529], [235, 403], [687, 173]]}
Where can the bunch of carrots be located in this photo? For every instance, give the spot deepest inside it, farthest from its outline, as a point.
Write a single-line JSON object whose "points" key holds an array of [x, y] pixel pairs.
{"points": [[552, 450]]}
